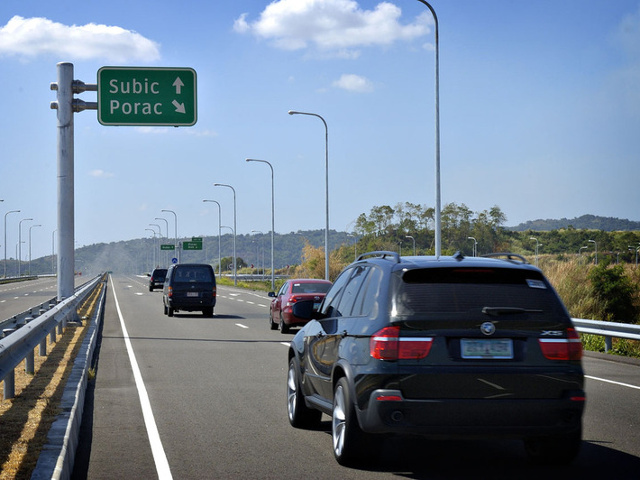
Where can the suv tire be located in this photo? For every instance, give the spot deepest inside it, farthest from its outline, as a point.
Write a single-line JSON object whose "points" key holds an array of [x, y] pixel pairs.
{"points": [[349, 441], [300, 416]]}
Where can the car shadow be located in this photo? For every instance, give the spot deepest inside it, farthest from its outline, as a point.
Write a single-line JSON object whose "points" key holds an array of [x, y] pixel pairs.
{"points": [[420, 458]]}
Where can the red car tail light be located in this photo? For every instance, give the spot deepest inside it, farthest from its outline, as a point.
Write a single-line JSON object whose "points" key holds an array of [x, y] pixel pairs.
{"points": [[169, 291], [387, 344], [292, 299], [214, 291], [569, 348]]}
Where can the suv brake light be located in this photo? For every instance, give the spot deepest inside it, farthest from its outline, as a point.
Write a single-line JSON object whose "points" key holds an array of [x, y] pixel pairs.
{"points": [[569, 348], [387, 344], [169, 291]]}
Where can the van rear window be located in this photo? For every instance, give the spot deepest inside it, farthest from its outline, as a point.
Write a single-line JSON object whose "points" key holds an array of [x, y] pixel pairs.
{"points": [[193, 274]]}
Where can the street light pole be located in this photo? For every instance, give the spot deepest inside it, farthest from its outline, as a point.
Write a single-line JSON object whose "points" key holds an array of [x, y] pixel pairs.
{"points": [[414, 243], [176, 232], [235, 266], [20, 243], [534, 238], [32, 226], [273, 283], [475, 246], [166, 257], [155, 247], [596, 247], [219, 235], [326, 160], [5, 240], [437, 125]]}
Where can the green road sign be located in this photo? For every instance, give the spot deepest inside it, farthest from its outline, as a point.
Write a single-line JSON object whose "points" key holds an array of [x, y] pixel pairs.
{"points": [[192, 245], [196, 239], [167, 247], [152, 96]]}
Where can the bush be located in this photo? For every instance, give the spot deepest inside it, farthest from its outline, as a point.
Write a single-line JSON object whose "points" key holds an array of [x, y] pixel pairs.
{"points": [[616, 291]]}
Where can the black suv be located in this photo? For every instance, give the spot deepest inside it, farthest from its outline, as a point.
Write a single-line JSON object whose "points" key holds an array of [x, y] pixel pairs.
{"points": [[447, 347], [156, 278], [189, 287]]}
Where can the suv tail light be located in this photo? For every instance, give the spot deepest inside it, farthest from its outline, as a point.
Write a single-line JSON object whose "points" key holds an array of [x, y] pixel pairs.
{"points": [[569, 348], [387, 344], [214, 291], [169, 291]]}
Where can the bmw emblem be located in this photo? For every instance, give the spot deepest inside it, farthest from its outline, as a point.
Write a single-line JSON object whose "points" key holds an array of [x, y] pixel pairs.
{"points": [[488, 328]]}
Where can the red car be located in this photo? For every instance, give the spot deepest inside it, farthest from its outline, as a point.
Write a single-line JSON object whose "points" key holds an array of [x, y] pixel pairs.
{"points": [[291, 292]]}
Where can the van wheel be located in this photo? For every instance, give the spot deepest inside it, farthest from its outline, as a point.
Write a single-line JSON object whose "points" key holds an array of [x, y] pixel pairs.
{"points": [[208, 312], [170, 311], [165, 309]]}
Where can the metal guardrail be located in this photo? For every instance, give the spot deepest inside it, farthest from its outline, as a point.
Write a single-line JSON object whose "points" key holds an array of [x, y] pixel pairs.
{"points": [[20, 344], [608, 330], [11, 324]]}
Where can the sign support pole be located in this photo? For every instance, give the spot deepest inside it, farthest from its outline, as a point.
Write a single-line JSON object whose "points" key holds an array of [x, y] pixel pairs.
{"points": [[66, 105], [66, 256]]}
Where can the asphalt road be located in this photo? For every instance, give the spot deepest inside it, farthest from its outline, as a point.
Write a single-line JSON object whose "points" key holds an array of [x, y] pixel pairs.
{"points": [[205, 398], [18, 297]]}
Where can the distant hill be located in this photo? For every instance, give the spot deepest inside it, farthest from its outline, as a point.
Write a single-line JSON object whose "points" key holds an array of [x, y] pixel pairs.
{"points": [[585, 222]]}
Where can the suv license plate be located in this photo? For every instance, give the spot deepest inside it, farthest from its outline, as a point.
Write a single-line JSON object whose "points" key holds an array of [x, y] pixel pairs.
{"points": [[192, 294], [495, 348]]}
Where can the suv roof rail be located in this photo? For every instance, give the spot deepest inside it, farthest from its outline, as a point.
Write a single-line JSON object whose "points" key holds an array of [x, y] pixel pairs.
{"points": [[380, 254], [513, 257]]}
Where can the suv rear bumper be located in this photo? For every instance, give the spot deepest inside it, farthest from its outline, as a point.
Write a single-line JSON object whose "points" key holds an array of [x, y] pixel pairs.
{"points": [[471, 417]]}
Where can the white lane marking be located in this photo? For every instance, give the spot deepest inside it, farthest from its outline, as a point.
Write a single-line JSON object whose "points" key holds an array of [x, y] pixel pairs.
{"points": [[159, 457], [139, 293], [241, 326], [611, 381], [286, 344]]}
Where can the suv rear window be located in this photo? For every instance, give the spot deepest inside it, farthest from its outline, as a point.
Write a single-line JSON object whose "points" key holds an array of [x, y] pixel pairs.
{"points": [[466, 290]]}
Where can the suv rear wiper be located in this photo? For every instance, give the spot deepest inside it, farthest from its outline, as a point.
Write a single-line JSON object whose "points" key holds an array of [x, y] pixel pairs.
{"points": [[495, 311]]}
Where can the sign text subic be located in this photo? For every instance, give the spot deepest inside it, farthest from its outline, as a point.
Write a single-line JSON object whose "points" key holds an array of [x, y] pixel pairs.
{"points": [[152, 96]]}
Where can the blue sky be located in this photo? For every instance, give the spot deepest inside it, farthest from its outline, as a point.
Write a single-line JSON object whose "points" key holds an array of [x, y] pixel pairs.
{"points": [[539, 112]]}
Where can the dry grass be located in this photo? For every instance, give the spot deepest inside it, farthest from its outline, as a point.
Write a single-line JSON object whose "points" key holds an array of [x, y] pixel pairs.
{"points": [[25, 420]]}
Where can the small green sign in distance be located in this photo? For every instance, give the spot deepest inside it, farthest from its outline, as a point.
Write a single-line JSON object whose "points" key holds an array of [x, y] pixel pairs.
{"points": [[147, 96], [192, 245], [167, 247], [196, 239]]}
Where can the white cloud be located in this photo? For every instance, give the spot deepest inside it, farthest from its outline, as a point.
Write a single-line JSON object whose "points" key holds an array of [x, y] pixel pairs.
{"points": [[336, 26], [353, 83], [31, 37], [100, 174]]}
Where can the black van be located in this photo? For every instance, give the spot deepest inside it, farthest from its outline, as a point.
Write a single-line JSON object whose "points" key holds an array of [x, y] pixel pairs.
{"points": [[189, 287]]}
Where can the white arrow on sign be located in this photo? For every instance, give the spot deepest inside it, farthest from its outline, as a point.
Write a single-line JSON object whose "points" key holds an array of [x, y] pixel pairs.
{"points": [[178, 84], [179, 107]]}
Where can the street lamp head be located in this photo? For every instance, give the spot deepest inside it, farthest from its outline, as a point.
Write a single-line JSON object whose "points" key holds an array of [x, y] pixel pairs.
{"points": [[292, 112]]}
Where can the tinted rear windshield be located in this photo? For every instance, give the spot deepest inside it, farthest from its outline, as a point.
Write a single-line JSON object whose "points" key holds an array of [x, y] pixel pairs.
{"points": [[469, 290], [193, 274], [310, 287]]}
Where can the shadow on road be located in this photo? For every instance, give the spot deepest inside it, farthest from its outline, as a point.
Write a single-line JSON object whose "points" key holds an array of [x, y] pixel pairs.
{"points": [[418, 458]]}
